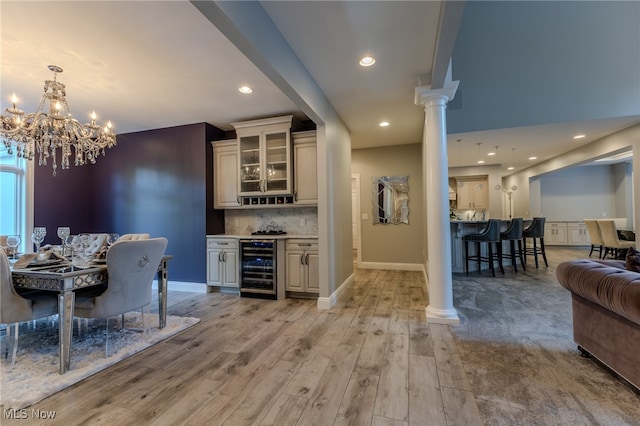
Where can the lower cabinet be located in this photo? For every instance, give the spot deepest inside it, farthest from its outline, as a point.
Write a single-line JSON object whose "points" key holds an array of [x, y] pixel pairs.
{"points": [[222, 262], [303, 274], [566, 234], [577, 234]]}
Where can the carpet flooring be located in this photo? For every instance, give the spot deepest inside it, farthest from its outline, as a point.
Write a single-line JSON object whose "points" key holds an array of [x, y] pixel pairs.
{"points": [[35, 374], [515, 341]]}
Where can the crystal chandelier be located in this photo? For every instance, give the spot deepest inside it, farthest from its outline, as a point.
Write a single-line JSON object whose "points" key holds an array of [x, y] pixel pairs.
{"points": [[44, 132]]}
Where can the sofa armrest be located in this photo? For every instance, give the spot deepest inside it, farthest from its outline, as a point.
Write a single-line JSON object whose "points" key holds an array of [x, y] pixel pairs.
{"points": [[615, 289]]}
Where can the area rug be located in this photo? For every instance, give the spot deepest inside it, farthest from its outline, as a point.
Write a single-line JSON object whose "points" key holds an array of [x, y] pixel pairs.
{"points": [[515, 341], [35, 374]]}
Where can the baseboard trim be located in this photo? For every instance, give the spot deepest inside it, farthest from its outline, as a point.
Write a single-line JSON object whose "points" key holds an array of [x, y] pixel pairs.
{"points": [[392, 266], [183, 286], [326, 303]]}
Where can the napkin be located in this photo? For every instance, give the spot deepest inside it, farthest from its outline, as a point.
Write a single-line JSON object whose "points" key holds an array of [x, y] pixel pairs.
{"points": [[24, 261]]}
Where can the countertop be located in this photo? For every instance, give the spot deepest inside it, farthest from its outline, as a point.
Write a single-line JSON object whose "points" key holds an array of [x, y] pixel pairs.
{"points": [[263, 236]]}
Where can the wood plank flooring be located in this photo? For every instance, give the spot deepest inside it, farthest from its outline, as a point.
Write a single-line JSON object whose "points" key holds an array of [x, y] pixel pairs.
{"points": [[371, 360]]}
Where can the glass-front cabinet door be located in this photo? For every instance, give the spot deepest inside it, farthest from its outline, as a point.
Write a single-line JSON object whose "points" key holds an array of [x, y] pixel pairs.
{"points": [[264, 149], [250, 178]]}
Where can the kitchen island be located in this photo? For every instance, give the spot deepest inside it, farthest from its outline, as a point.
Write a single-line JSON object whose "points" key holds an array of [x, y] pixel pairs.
{"points": [[460, 228]]}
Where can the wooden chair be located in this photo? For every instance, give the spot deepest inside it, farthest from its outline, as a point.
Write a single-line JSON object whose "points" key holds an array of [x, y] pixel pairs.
{"points": [[16, 308], [131, 267]]}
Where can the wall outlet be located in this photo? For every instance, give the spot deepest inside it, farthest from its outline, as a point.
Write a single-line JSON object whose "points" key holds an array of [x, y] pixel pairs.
{"points": [[303, 221]]}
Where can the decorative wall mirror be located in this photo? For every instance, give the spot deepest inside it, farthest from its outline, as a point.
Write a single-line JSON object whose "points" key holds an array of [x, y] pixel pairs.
{"points": [[390, 199]]}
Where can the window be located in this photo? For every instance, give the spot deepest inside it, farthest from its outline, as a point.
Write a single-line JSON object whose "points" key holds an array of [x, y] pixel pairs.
{"points": [[13, 195]]}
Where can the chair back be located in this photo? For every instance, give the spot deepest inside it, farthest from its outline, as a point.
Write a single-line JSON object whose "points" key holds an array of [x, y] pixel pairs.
{"points": [[514, 231], [128, 237], [536, 229], [594, 232], [13, 307], [131, 266], [492, 231], [609, 232]]}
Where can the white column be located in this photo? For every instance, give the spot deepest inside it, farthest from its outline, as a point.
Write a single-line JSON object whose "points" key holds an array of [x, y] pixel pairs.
{"points": [[435, 175]]}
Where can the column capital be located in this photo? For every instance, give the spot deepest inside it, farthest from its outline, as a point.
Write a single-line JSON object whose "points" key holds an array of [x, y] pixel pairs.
{"points": [[425, 93]]}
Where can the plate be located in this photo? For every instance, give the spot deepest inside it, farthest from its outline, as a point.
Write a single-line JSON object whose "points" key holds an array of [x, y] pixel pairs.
{"points": [[100, 261], [44, 262]]}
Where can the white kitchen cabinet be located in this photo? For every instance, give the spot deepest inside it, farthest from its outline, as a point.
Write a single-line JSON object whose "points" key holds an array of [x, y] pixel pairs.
{"points": [[303, 273], [555, 233], [225, 174], [264, 156], [472, 194], [222, 262], [305, 166], [577, 234]]}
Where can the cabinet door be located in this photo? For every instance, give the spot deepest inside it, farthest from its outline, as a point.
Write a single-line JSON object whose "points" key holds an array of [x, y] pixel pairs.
{"points": [[313, 272], [480, 194], [231, 274], [214, 270], [577, 236], [294, 272], [306, 173], [277, 172], [464, 197], [225, 182], [250, 173]]}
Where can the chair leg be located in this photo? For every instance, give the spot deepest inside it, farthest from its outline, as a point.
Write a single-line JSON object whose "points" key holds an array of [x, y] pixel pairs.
{"points": [[512, 246], [493, 272], [499, 248], [466, 257], [524, 243], [15, 343], [522, 255], [544, 254], [591, 251], [479, 255], [106, 343], [535, 252]]}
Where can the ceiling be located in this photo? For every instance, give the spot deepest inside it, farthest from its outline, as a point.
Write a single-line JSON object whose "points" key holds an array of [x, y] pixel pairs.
{"points": [[153, 64]]}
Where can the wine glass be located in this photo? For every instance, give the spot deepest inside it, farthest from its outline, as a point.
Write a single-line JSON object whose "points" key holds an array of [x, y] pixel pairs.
{"points": [[13, 241], [69, 243], [37, 237], [63, 233]]}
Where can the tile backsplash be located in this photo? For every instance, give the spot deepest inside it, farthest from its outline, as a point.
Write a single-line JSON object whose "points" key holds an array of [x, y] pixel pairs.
{"points": [[295, 221]]}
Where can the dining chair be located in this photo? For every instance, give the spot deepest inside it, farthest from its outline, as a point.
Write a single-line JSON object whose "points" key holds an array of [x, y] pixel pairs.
{"points": [[131, 267], [610, 238], [597, 244], [128, 237], [16, 308]]}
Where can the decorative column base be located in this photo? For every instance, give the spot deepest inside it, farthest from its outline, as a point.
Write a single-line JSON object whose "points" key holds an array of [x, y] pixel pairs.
{"points": [[442, 316]]}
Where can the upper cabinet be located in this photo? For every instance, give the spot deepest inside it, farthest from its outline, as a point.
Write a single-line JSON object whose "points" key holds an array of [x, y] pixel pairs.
{"points": [[225, 174], [472, 193], [264, 156], [305, 164]]}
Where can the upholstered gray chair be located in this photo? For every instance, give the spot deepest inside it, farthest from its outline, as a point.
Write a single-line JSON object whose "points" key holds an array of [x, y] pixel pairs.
{"points": [[131, 267], [612, 243], [15, 308], [597, 243]]}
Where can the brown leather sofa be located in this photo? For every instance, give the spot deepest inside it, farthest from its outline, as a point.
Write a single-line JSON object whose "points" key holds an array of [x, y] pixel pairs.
{"points": [[606, 312]]}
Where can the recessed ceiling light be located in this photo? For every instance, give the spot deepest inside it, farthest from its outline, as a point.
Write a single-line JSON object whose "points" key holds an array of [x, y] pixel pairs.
{"points": [[579, 136], [480, 161], [491, 153], [384, 124], [367, 61], [533, 158], [510, 168], [245, 89]]}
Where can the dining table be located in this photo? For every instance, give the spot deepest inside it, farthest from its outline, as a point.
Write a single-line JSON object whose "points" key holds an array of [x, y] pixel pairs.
{"points": [[64, 278]]}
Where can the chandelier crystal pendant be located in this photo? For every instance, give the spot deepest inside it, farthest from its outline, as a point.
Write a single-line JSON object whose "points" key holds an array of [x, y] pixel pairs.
{"points": [[44, 132]]}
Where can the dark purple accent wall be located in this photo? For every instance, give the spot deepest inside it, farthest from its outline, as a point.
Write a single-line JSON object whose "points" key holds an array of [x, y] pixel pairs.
{"points": [[157, 182]]}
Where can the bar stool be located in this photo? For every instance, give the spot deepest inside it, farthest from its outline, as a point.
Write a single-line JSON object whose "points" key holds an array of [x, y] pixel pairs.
{"points": [[535, 231], [512, 234], [489, 235]]}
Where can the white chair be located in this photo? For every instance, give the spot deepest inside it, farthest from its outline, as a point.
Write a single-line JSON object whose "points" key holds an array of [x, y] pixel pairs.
{"points": [[595, 237], [610, 238], [15, 308], [131, 267], [129, 237]]}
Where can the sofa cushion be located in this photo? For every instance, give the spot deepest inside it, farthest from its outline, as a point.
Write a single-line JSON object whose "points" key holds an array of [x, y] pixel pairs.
{"points": [[632, 261], [611, 287]]}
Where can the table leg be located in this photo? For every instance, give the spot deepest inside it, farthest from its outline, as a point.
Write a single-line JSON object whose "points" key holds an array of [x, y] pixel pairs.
{"points": [[162, 294], [66, 301]]}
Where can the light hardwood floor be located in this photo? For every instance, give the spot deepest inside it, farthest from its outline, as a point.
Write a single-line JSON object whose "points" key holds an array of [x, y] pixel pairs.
{"points": [[371, 360]]}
